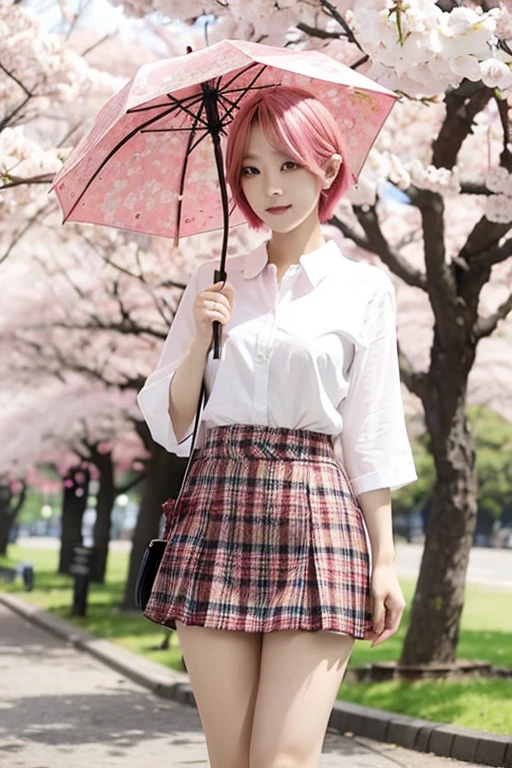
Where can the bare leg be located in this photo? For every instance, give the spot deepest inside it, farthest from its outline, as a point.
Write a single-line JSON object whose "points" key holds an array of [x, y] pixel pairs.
{"points": [[224, 668], [300, 676]]}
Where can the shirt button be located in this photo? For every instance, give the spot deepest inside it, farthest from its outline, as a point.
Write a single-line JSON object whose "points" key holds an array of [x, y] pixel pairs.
{"points": [[261, 357]]}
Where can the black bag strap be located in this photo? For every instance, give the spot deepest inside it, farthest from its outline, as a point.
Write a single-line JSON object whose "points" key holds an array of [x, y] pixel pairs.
{"points": [[202, 399]]}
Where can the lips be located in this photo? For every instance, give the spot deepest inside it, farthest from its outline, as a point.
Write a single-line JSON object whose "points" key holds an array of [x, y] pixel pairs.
{"points": [[278, 209]]}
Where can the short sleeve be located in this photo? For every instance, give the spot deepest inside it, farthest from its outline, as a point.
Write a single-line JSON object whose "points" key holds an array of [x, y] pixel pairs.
{"points": [[374, 440], [153, 399]]}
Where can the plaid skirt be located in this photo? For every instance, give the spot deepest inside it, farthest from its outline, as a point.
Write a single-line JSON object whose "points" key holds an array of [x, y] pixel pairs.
{"points": [[267, 535]]}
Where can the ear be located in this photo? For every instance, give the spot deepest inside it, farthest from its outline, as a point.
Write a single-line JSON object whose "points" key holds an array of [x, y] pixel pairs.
{"points": [[331, 168]]}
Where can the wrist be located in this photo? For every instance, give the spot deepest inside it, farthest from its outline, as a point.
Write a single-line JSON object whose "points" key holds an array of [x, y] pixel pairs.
{"points": [[386, 559], [199, 347]]}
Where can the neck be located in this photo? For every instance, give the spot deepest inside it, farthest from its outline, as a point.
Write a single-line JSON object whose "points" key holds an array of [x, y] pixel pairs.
{"points": [[286, 248]]}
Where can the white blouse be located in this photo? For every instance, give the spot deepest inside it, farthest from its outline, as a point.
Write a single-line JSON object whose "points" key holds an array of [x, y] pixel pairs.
{"points": [[317, 351]]}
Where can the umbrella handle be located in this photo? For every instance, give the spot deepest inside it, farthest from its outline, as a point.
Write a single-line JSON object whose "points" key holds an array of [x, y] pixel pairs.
{"points": [[217, 328]]}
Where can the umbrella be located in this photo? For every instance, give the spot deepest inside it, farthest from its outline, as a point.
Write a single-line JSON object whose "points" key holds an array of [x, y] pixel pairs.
{"points": [[152, 161]]}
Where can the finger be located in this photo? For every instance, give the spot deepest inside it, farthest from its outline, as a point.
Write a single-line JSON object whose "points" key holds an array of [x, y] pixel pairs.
{"points": [[217, 298], [394, 617], [229, 292], [381, 638], [217, 287], [217, 306], [378, 615], [212, 314]]}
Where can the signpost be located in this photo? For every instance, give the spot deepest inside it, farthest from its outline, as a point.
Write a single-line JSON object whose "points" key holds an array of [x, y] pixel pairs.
{"points": [[80, 568]]}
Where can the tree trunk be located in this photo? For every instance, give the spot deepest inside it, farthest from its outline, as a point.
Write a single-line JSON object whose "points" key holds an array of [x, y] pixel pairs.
{"points": [[75, 488], [163, 476], [433, 631], [9, 510], [6, 518], [106, 496]]}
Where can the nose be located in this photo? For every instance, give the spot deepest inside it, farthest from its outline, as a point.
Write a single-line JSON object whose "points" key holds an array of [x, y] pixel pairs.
{"points": [[272, 186]]}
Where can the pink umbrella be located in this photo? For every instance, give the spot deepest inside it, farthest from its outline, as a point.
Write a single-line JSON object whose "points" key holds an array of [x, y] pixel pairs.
{"points": [[145, 164]]}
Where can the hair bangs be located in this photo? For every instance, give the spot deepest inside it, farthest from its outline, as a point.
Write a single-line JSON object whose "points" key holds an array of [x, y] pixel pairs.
{"points": [[300, 126]]}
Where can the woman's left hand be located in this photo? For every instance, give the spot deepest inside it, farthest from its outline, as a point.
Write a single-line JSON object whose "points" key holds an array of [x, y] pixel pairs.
{"points": [[388, 604]]}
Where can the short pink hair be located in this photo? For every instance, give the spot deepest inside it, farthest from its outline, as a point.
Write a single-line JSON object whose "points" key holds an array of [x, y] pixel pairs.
{"points": [[297, 123]]}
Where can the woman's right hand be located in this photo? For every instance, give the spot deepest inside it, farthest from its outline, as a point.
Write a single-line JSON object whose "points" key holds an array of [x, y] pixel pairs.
{"points": [[214, 303]]}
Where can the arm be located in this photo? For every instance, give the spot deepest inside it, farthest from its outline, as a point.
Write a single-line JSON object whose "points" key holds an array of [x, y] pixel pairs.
{"points": [[185, 387], [377, 452], [153, 399], [170, 396], [376, 507]]}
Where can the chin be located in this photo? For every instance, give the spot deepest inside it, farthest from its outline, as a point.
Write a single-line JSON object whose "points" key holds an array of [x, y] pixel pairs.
{"points": [[283, 227]]}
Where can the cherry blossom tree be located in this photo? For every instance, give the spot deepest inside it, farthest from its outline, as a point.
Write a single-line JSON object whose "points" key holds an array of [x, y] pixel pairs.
{"points": [[433, 206], [447, 150]]}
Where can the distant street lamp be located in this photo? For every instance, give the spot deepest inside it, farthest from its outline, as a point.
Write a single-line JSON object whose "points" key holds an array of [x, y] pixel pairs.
{"points": [[46, 511]]}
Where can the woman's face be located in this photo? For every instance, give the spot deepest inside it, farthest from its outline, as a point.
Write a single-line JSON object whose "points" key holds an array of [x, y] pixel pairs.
{"points": [[282, 193]]}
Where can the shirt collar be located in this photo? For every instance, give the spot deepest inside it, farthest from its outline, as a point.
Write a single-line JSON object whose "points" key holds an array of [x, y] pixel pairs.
{"points": [[315, 264]]}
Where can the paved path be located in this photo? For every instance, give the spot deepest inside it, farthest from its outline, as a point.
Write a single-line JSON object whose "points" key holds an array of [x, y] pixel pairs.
{"points": [[490, 568], [59, 708]]}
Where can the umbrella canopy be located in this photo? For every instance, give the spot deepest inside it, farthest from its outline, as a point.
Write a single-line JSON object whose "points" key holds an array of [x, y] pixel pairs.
{"points": [[152, 161]]}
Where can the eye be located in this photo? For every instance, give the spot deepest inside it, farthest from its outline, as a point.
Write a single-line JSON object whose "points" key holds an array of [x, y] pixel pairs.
{"points": [[290, 165], [249, 170]]}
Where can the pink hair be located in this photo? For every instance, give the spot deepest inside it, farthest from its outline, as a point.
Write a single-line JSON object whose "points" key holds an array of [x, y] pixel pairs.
{"points": [[297, 123]]}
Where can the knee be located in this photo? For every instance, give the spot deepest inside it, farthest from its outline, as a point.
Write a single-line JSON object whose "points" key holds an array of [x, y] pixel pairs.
{"points": [[264, 759]]}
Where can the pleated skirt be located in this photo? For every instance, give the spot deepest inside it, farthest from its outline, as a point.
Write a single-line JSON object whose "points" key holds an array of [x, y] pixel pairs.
{"points": [[267, 536]]}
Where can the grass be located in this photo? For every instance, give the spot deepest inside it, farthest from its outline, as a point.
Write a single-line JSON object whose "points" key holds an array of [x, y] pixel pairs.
{"points": [[485, 634]]}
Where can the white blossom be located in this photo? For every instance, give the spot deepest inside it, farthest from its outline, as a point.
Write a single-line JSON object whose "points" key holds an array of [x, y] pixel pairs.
{"points": [[499, 208], [496, 74], [498, 179], [441, 180]]}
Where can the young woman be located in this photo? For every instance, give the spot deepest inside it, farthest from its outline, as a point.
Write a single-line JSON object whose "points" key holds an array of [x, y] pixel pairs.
{"points": [[267, 575]]}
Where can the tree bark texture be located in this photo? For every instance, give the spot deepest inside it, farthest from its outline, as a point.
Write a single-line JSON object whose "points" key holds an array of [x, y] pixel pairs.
{"points": [[6, 517], [163, 477], [75, 490], [9, 509], [433, 631], [105, 503]]}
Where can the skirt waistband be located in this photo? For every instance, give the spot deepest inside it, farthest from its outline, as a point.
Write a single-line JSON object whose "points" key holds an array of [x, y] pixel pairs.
{"points": [[256, 441]]}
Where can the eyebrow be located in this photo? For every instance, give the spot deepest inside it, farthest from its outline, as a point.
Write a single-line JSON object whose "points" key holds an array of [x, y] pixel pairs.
{"points": [[252, 156]]}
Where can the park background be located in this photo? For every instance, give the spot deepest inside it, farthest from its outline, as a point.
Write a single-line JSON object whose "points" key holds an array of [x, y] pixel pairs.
{"points": [[84, 311]]}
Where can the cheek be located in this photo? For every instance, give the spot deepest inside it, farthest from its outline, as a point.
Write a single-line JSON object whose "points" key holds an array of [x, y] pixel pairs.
{"points": [[249, 188]]}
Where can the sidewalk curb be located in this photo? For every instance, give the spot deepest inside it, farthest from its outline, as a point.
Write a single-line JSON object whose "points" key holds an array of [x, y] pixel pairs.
{"points": [[409, 732]]}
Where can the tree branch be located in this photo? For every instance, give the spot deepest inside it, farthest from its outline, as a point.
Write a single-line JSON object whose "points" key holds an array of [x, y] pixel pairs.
{"points": [[486, 325], [25, 90], [462, 106], [16, 181], [442, 286], [19, 235], [332, 11], [377, 243], [415, 381], [481, 249]]}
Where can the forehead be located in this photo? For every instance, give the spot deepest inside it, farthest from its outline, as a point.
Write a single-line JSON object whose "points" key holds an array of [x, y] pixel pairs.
{"points": [[258, 145]]}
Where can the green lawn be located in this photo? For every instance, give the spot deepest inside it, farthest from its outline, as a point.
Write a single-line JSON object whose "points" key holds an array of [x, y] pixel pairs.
{"points": [[486, 634]]}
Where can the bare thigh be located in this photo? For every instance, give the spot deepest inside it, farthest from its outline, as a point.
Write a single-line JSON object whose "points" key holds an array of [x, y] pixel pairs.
{"points": [[300, 676], [223, 667]]}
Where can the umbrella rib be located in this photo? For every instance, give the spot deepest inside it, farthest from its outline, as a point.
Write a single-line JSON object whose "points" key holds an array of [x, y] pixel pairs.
{"points": [[170, 130], [239, 74], [228, 112], [177, 106], [185, 109], [184, 172], [199, 140], [110, 155], [193, 98]]}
